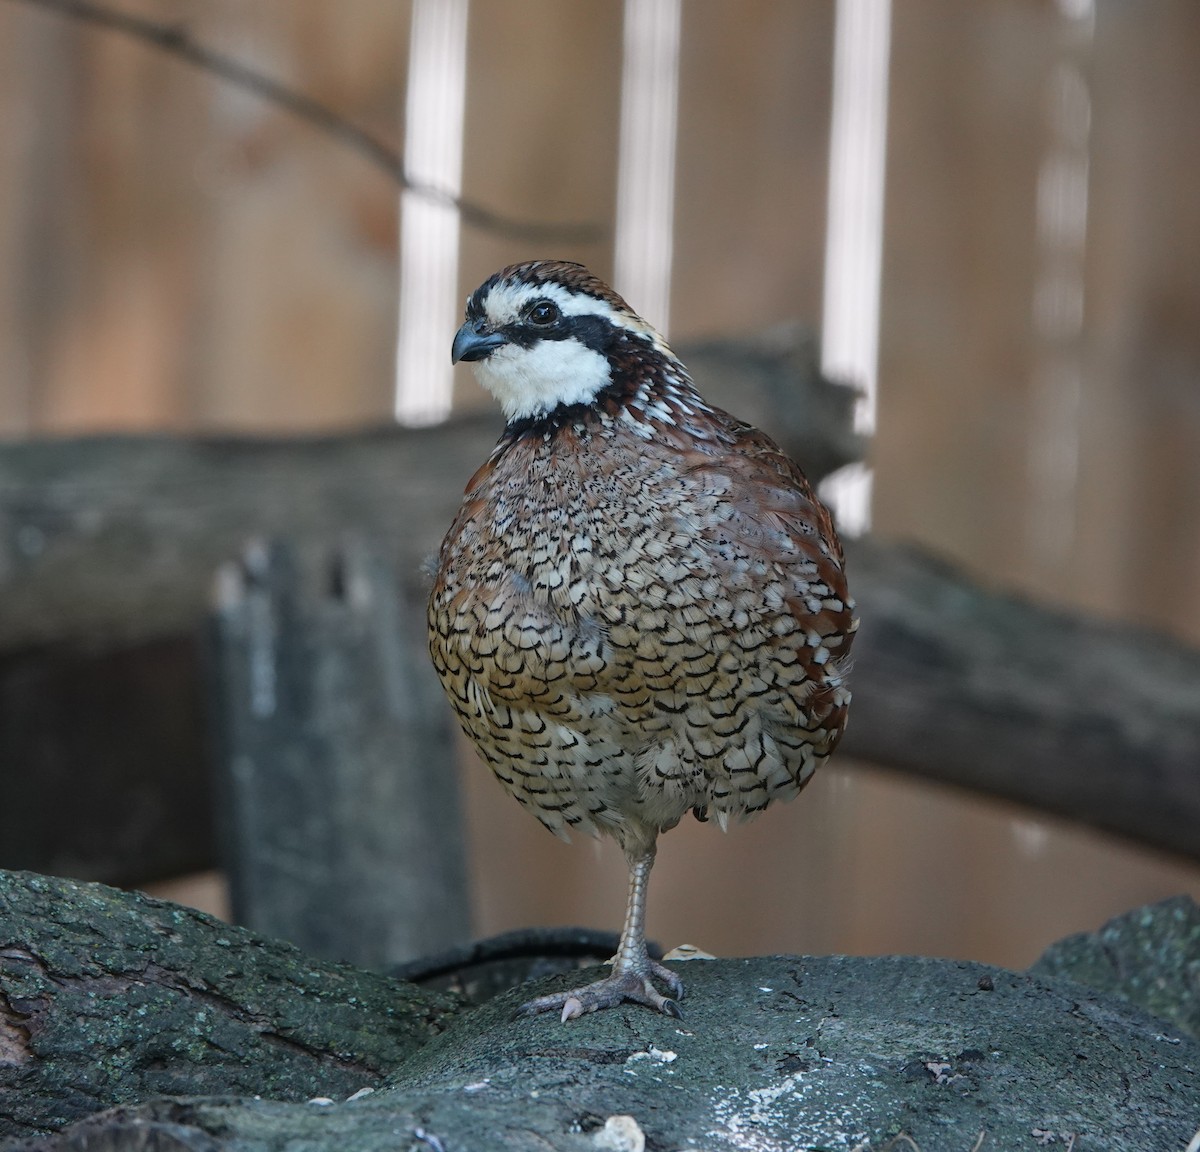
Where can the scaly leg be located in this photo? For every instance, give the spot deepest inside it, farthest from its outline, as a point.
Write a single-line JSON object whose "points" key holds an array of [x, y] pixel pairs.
{"points": [[633, 972]]}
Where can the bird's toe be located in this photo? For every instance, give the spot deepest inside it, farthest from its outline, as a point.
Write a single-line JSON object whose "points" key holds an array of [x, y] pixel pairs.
{"points": [[634, 986]]}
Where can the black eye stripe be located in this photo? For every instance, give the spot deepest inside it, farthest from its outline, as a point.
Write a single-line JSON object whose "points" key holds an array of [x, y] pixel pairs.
{"points": [[594, 332]]}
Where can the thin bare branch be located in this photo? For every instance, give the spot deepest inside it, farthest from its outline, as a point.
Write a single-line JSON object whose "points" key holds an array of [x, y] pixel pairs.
{"points": [[175, 40]]}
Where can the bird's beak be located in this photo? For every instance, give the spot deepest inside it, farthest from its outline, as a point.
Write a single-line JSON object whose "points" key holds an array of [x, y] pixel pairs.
{"points": [[474, 342]]}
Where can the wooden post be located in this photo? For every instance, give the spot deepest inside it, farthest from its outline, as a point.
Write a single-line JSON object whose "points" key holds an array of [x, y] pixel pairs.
{"points": [[336, 765]]}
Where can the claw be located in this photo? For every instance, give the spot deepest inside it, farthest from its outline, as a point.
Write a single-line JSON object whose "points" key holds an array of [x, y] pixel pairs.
{"points": [[670, 979], [632, 984]]}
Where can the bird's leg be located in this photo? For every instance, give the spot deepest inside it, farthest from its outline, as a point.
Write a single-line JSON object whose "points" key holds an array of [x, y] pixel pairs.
{"points": [[633, 972]]}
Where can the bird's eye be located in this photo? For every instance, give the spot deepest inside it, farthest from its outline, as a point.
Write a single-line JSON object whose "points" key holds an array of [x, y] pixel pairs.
{"points": [[543, 313]]}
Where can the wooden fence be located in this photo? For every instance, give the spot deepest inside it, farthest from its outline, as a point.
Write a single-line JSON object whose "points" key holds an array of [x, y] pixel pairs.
{"points": [[177, 256]]}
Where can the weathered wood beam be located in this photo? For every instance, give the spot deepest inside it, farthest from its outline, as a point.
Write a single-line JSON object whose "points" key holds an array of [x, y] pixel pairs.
{"points": [[1094, 721], [114, 540], [108, 549]]}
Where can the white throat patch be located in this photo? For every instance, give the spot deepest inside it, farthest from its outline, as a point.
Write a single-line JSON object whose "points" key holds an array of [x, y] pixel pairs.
{"points": [[534, 381]]}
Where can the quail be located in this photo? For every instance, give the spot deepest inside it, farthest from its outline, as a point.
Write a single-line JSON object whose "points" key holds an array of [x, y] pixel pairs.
{"points": [[640, 608]]}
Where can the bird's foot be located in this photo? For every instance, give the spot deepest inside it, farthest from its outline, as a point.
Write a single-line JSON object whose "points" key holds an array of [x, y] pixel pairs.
{"points": [[635, 984]]}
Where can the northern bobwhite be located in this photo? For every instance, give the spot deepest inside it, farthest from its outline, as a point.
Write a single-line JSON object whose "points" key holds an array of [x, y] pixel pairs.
{"points": [[640, 608]]}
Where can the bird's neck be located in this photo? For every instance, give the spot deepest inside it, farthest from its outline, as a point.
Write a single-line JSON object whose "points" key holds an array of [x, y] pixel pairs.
{"points": [[646, 383]]}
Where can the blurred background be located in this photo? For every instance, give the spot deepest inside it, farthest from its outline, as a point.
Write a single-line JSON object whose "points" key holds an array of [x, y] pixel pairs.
{"points": [[988, 212]]}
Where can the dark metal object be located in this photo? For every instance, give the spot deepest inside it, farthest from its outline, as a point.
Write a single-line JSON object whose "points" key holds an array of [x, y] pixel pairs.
{"points": [[488, 967]]}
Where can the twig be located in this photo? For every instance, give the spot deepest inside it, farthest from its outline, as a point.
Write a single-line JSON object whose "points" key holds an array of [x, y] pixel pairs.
{"points": [[175, 40]]}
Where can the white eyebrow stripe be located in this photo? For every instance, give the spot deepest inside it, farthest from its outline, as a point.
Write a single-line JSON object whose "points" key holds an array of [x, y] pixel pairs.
{"points": [[504, 303]]}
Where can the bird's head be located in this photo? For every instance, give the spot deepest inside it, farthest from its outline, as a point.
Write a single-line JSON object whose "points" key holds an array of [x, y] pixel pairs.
{"points": [[548, 333]]}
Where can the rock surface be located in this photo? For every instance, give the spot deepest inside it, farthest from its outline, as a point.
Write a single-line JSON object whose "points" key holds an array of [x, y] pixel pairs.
{"points": [[774, 1053], [109, 997], [1150, 956]]}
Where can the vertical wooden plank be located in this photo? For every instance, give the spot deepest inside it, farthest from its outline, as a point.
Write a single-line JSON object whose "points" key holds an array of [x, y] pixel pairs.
{"points": [[197, 256], [966, 138], [1138, 556], [752, 162], [542, 115], [295, 327], [40, 189], [966, 118], [335, 758], [108, 231], [971, 89], [25, 138]]}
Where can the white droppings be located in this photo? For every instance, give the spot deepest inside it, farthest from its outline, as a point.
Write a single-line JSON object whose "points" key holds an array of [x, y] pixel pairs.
{"points": [[620, 1134], [785, 1113]]}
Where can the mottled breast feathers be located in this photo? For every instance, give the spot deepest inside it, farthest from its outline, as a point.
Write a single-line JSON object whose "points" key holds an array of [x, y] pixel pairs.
{"points": [[640, 609]]}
